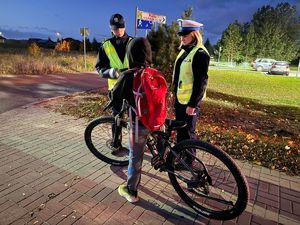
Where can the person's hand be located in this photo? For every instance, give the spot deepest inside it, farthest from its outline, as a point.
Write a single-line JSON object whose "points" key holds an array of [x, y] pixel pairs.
{"points": [[190, 111], [114, 73]]}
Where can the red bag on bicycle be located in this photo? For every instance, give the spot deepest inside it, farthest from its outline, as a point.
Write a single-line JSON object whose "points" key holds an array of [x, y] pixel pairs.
{"points": [[149, 89]]}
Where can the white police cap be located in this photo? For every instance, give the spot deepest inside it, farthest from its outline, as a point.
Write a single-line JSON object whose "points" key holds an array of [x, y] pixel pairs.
{"points": [[187, 26]]}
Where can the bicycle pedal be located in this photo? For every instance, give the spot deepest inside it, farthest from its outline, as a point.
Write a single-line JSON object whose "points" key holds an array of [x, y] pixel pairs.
{"points": [[156, 162], [156, 167], [163, 168]]}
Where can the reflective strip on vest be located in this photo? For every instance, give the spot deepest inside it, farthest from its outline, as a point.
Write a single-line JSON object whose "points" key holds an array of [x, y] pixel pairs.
{"points": [[114, 60], [186, 77]]}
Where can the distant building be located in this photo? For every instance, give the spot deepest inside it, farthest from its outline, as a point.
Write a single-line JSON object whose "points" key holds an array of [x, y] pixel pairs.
{"points": [[2, 39]]}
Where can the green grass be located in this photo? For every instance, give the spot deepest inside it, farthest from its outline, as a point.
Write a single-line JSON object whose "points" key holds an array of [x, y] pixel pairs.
{"points": [[294, 68], [263, 89], [254, 116]]}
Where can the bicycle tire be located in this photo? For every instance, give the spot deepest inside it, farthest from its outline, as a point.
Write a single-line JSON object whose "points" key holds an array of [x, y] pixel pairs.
{"points": [[203, 205], [98, 135]]}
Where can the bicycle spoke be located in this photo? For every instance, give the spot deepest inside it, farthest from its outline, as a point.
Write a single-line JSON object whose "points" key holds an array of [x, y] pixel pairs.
{"points": [[99, 139], [102, 139], [207, 183]]}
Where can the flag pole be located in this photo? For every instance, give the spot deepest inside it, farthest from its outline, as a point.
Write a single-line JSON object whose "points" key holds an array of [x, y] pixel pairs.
{"points": [[135, 22]]}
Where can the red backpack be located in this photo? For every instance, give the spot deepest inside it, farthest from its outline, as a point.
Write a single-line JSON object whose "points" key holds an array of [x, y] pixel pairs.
{"points": [[149, 89]]}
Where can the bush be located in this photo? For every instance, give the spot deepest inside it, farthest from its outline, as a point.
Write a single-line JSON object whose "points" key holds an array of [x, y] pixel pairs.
{"points": [[49, 61], [34, 49], [64, 46]]}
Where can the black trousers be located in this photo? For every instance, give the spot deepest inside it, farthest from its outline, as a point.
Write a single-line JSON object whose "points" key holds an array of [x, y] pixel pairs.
{"points": [[189, 131]]}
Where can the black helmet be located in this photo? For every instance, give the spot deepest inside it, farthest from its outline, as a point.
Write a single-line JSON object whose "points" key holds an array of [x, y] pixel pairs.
{"points": [[116, 21]]}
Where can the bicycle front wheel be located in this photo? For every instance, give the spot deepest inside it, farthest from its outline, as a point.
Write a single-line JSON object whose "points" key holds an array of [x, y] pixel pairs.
{"points": [[211, 183], [98, 137]]}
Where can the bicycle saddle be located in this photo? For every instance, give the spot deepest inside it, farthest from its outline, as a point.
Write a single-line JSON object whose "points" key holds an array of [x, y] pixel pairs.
{"points": [[174, 124]]}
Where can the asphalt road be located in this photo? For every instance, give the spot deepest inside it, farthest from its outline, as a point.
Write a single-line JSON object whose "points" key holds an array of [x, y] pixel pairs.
{"points": [[16, 90]]}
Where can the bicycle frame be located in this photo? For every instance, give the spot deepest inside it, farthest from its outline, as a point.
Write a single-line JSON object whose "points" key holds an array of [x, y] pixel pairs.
{"points": [[161, 149]]}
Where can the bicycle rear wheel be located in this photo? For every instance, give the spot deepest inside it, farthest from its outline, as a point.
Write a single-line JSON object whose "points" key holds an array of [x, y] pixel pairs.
{"points": [[98, 138], [213, 185]]}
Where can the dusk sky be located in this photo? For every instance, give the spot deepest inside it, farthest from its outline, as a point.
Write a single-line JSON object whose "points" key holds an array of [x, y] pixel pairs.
{"points": [[23, 19]]}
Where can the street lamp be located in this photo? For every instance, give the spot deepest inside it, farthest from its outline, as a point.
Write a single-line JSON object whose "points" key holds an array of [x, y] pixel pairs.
{"points": [[2, 38], [58, 34]]}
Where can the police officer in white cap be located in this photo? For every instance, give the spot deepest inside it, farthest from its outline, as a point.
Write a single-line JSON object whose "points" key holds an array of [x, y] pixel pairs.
{"points": [[190, 77], [112, 59]]}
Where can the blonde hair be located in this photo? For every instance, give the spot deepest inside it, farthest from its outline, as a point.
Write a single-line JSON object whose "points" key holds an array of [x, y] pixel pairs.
{"points": [[196, 36]]}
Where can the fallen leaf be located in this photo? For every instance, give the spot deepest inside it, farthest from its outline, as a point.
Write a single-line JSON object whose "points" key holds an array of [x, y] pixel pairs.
{"points": [[245, 147], [257, 162], [42, 206]]}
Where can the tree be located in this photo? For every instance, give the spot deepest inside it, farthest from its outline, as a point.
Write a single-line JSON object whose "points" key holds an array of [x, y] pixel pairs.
{"points": [[249, 39], [88, 44], [165, 43], [209, 47], [95, 45], [273, 32], [277, 31], [187, 14], [231, 42]]}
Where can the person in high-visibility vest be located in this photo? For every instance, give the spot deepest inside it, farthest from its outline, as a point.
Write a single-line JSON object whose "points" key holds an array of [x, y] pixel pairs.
{"points": [[112, 59], [190, 78]]}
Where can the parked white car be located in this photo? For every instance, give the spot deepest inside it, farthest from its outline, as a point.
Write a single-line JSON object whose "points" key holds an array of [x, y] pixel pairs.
{"points": [[280, 68]]}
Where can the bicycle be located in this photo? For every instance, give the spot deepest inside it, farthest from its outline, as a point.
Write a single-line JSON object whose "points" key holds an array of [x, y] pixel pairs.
{"points": [[213, 185]]}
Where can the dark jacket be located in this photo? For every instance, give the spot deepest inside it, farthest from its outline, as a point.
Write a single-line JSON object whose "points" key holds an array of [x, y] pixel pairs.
{"points": [[200, 69], [119, 44], [139, 56]]}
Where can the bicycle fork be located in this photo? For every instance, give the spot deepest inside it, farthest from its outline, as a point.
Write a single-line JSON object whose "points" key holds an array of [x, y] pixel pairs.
{"points": [[201, 178], [116, 131]]}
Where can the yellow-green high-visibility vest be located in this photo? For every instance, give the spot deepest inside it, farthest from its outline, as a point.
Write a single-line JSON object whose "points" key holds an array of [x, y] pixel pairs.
{"points": [[186, 77], [114, 60]]}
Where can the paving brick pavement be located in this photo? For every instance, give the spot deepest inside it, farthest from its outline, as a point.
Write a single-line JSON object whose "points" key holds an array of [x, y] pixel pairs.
{"points": [[48, 176]]}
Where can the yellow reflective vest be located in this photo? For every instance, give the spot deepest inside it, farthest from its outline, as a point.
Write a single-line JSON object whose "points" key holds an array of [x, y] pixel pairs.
{"points": [[186, 77], [114, 60]]}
